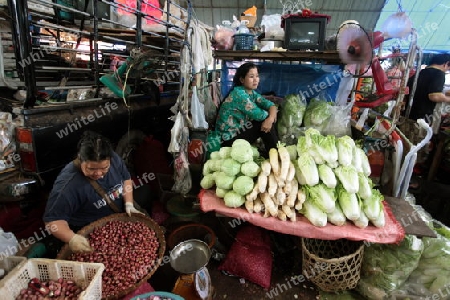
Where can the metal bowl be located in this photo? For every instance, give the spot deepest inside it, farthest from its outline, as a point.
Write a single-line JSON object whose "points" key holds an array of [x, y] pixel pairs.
{"points": [[190, 256]]}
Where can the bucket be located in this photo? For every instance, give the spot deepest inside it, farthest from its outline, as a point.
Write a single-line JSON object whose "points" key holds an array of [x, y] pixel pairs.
{"points": [[192, 231]]}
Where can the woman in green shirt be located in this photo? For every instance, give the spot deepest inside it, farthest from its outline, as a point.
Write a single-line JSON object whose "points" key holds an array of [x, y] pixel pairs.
{"points": [[245, 114]]}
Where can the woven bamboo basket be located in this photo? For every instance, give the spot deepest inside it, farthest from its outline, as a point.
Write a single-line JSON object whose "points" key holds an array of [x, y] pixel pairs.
{"points": [[85, 231], [332, 265]]}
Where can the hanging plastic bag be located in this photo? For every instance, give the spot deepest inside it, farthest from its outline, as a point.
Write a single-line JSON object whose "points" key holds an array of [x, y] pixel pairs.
{"points": [[397, 25], [8, 243], [210, 106], [175, 133], [182, 176], [198, 111]]}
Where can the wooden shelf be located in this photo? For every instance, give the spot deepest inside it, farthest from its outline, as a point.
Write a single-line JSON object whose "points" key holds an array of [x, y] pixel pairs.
{"points": [[327, 57]]}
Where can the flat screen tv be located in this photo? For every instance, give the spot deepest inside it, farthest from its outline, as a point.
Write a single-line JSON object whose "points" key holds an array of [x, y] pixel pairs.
{"points": [[304, 33]]}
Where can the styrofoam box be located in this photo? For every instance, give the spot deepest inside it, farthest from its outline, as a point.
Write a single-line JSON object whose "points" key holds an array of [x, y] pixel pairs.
{"points": [[86, 275]]}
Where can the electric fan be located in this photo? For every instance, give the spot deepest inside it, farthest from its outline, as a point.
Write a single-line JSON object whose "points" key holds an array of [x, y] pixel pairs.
{"points": [[355, 45]]}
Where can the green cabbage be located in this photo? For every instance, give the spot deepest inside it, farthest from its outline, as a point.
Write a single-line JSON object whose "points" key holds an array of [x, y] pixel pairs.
{"points": [[255, 152], [221, 192], [207, 167], [230, 167], [224, 181], [215, 165], [241, 151], [243, 185], [207, 181], [215, 155], [250, 169], [233, 199], [225, 152]]}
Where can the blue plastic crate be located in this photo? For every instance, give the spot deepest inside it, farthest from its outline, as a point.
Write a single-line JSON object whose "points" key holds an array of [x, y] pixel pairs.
{"points": [[243, 41]]}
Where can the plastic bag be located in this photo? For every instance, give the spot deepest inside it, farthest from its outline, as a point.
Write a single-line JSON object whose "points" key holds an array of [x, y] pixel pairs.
{"points": [[197, 111], [386, 267], [175, 133], [339, 123], [291, 116], [318, 112], [397, 25], [8, 243], [223, 38], [272, 27], [182, 174]]}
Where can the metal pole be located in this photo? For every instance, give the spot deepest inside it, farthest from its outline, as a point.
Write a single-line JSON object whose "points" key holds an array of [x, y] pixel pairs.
{"points": [[23, 50]]}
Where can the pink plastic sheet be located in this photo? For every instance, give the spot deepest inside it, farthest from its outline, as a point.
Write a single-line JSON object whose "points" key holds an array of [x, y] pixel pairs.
{"points": [[391, 233]]}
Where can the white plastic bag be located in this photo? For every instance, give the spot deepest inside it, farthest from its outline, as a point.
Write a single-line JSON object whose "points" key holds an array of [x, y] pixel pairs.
{"points": [[175, 133], [397, 25], [8, 243], [198, 111]]}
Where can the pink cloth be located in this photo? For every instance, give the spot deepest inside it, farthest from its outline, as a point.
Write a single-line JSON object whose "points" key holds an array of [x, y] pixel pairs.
{"points": [[391, 233]]}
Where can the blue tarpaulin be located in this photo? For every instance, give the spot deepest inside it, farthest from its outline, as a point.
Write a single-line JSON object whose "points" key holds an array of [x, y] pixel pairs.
{"points": [[308, 80]]}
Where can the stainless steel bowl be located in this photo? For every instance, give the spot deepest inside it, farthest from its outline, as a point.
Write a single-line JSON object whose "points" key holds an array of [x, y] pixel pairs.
{"points": [[190, 256]]}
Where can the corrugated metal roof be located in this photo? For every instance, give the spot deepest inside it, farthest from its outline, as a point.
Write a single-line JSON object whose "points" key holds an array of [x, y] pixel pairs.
{"points": [[429, 17]]}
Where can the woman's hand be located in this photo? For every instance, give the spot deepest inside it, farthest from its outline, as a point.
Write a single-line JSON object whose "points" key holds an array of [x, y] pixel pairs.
{"points": [[267, 124], [270, 120]]}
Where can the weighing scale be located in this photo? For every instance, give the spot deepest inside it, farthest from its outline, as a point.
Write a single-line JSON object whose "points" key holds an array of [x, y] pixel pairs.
{"points": [[190, 259]]}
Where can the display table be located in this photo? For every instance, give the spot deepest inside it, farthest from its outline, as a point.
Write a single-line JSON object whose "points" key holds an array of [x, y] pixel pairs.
{"points": [[392, 232]]}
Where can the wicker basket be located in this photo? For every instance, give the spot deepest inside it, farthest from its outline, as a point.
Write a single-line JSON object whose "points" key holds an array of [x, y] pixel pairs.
{"points": [[332, 265], [86, 275], [243, 41], [85, 231]]}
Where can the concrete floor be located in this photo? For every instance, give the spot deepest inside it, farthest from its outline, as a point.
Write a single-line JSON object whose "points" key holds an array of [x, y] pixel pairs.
{"points": [[286, 265]]}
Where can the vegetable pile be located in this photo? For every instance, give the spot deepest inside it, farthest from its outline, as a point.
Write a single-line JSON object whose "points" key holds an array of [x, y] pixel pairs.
{"points": [[52, 289], [322, 177], [231, 170], [129, 251], [292, 111]]}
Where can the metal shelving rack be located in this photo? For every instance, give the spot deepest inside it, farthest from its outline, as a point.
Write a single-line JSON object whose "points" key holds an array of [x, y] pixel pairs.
{"points": [[53, 35]]}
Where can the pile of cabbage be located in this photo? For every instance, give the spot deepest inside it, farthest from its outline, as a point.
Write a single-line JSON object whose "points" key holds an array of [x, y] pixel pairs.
{"points": [[334, 174], [415, 269], [291, 116], [232, 170]]}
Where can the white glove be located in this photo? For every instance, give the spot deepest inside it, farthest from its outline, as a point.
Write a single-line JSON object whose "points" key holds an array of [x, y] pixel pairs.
{"points": [[79, 243], [129, 208]]}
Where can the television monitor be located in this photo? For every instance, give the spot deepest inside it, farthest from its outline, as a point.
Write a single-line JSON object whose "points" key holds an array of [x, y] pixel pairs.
{"points": [[305, 33]]}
